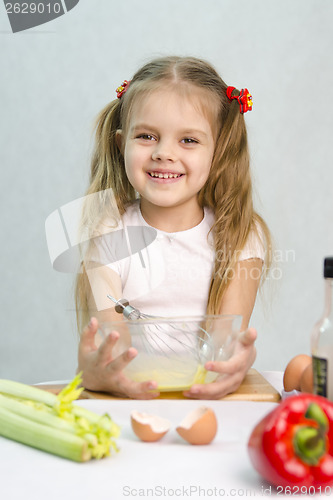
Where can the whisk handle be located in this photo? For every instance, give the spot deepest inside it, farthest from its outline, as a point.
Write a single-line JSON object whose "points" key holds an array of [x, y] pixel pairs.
{"points": [[121, 305], [131, 313]]}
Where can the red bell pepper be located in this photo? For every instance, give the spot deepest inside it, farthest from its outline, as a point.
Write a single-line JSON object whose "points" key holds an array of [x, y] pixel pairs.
{"points": [[293, 444]]}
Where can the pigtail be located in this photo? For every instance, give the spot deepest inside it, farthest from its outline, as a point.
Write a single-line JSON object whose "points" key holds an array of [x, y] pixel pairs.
{"points": [[107, 167], [228, 191], [113, 192]]}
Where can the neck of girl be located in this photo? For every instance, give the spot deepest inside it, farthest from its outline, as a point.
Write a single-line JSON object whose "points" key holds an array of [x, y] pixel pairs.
{"points": [[171, 219]]}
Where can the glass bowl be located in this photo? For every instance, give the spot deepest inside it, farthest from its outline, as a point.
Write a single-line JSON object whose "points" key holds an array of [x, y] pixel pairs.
{"points": [[173, 351]]}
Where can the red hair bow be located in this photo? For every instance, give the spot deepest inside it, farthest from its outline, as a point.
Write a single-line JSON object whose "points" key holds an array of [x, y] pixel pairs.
{"points": [[122, 89], [244, 98]]}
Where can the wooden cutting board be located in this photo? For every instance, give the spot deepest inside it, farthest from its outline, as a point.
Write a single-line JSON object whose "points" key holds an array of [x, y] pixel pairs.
{"points": [[253, 388]]}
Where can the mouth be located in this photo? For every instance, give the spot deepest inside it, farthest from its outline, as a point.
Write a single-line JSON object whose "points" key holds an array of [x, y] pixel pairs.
{"points": [[165, 175]]}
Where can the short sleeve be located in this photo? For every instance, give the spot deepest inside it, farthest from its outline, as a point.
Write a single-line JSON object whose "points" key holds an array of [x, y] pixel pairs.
{"points": [[254, 247], [107, 248]]}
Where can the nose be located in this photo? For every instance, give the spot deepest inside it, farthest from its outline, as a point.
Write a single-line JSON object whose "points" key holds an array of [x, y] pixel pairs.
{"points": [[163, 152]]}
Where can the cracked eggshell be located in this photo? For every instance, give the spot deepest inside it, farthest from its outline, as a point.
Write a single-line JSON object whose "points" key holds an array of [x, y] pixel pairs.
{"points": [[199, 426], [149, 428]]}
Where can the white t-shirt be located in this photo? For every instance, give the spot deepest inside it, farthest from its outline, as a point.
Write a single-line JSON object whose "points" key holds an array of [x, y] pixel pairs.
{"points": [[165, 274]]}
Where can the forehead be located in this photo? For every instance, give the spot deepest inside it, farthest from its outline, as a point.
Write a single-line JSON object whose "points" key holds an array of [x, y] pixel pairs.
{"points": [[184, 104]]}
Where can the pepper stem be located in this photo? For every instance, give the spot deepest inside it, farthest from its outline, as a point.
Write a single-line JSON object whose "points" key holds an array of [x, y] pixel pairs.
{"points": [[316, 413], [310, 442]]}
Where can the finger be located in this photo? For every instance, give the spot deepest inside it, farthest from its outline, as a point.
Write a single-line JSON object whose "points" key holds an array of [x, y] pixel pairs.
{"points": [[215, 390], [123, 385], [248, 337], [135, 390], [121, 361], [144, 390], [240, 362], [104, 355], [225, 367], [87, 341]]}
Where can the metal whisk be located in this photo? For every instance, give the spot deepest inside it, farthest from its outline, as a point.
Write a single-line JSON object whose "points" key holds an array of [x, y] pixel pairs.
{"points": [[124, 307], [159, 333]]}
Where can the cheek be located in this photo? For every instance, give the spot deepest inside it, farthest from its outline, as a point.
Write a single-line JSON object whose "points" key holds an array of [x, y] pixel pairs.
{"points": [[129, 159], [205, 168], [133, 164], [203, 173], [203, 179]]}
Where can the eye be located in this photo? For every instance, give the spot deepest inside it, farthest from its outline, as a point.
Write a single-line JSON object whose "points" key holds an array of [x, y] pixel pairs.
{"points": [[189, 140], [146, 137]]}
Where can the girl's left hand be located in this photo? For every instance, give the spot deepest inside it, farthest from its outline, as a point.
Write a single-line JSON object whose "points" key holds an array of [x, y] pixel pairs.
{"points": [[231, 372]]}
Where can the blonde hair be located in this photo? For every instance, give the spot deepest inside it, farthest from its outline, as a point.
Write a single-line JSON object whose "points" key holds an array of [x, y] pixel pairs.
{"points": [[228, 189]]}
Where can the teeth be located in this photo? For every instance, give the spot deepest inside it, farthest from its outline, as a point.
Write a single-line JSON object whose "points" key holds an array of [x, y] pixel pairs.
{"points": [[164, 176]]}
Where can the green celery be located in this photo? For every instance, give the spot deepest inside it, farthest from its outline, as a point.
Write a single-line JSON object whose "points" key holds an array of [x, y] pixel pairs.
{"points": [[88, 434], [45, 438], [23, 391], [37, 415]]}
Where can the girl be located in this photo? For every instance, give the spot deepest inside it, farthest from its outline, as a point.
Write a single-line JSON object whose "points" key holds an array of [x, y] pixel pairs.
{"points": [[173, 148]]}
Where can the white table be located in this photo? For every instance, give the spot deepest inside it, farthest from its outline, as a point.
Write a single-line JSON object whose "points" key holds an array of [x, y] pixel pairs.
{"points": [[168, 469]]}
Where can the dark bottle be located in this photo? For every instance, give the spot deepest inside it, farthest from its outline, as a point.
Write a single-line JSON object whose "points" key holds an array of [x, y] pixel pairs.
{"points": [[322, 340]]}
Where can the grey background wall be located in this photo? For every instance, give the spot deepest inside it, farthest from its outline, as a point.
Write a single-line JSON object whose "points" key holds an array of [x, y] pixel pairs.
{"points": [[54, 80]]}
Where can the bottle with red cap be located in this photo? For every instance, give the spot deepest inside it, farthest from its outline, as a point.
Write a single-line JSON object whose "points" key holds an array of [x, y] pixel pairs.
{"points": [[322, 340]]}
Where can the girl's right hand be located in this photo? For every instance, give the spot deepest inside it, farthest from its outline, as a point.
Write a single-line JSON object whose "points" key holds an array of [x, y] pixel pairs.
{"points": [[102, 372]]}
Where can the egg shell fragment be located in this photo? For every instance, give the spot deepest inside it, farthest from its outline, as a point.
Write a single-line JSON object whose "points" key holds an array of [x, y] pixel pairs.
{"points": [[149, 428], [199, 426], [293, 372]]}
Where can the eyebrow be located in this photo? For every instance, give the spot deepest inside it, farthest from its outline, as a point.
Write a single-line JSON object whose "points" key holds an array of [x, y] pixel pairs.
{"points": [[194, 131], [140, 126]]}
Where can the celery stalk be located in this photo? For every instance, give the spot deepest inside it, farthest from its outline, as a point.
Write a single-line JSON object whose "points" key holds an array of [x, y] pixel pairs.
{"points": [[45, 438], [53, 423], [42, 417], [23, 391]]}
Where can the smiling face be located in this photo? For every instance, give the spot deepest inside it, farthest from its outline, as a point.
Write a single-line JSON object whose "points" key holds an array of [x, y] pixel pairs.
{"points": [[168, 150]]}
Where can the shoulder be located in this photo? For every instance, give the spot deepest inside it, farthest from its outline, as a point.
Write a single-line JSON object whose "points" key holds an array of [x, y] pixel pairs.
{"points": [[132, 214], [131, 217], [255, 246], [109, 243], [209, 216]]}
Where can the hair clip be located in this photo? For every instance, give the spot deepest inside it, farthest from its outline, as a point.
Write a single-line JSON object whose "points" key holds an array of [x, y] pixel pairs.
{"points": [[122, 89], [244, 98]]}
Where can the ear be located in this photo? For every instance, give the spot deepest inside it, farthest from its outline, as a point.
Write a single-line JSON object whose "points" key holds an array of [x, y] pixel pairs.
{"points": [[120, 140]]}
